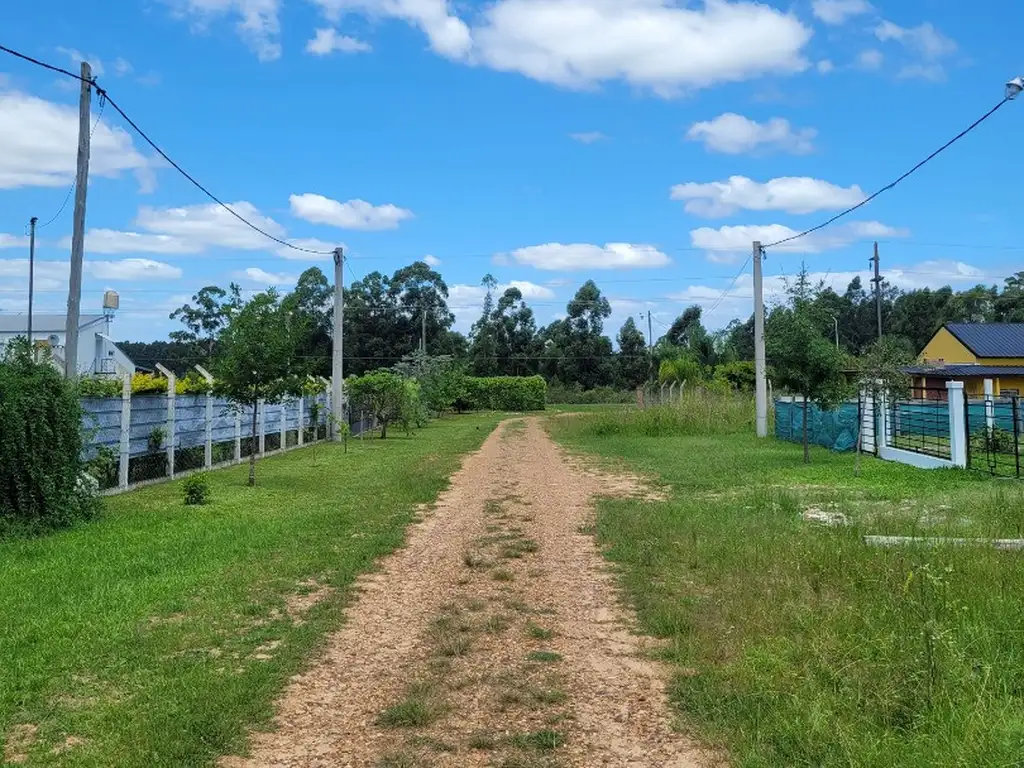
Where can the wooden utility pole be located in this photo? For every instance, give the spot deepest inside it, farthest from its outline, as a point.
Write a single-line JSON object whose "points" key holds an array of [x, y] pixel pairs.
{"points": [[78, 231], [877, 280], [760, 376], [31, 276], [338, 358], [423, 330]]}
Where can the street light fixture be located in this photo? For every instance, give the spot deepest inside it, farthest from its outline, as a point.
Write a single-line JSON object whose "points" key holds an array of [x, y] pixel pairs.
{"points": [[1014, 88]]}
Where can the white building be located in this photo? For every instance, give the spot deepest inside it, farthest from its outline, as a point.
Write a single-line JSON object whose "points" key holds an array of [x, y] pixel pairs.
{"points": [[98, 355]]}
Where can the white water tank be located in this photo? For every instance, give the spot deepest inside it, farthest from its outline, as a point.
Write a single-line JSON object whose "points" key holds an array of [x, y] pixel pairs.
{"points": [[111, 300]]}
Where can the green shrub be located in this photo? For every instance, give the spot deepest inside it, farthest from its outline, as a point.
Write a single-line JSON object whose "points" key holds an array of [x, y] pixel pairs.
{"points": [[1001, 441], [43, 485], [104, 466], [559, 393], [197, 489], [94, 386], [503, 393]]}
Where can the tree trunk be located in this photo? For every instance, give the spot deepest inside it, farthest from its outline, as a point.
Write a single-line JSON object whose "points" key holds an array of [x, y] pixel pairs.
{"points": [[807, 450], [383, 430], [252, 448]]}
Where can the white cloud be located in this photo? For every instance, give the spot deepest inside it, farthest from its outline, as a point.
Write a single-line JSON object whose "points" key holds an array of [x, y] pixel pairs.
{"points": [[432, 261], [310, 244], [726, 243], [211, 225], [13, 241], [123, 67], [78, 58], [923, 39], [579, 256], [257, 21], [261, 276], [133, 270], [40, 144], [925, 43], [825, 66], [110, 241], [587, 137], [660, 45], [354, 214], [838, 11], [869, 59], [793, 194], [328, 41], [653, 44], [734, 134]]}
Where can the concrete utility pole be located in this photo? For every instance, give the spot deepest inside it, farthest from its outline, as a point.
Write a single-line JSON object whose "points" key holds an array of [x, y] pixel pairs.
{"points": [[31, 276], [877, 280], [78, 232], [760, 378], [338, 358]]}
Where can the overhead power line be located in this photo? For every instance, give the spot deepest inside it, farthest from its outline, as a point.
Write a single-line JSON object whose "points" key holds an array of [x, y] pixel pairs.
{"points": [[103, 93], [892, 184]]}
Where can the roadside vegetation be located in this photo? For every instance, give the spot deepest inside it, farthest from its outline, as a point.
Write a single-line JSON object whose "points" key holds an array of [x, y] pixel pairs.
{"points": [[161, 634], [793, 641]]}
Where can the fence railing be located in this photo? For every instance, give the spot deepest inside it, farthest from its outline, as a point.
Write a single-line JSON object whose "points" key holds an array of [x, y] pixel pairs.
{"points": [[995, 426], [939, 427]]}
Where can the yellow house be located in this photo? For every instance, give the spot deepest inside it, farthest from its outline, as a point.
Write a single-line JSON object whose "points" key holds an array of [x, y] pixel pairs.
{"points": [[971, 353]]}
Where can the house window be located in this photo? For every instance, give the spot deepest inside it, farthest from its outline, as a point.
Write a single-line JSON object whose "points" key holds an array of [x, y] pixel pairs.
{"points": [[1011, 392]]}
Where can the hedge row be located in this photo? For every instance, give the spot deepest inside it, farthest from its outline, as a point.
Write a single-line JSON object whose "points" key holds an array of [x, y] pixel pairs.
{"points": [[504, 393]]}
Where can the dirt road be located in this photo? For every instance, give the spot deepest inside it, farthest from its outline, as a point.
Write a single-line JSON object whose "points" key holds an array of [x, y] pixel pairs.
{"points": [[494, 638]]}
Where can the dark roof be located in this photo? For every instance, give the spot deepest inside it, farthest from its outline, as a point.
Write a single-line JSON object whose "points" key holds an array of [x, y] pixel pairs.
{"points": [[990, 339], [956, 371]]}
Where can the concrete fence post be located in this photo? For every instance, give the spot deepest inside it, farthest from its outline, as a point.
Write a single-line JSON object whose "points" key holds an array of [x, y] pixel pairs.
{"points": [[328, 406], [990, 407], [661, 395], [672, 392], [882, 440], [300, 437], [208, 448], [171, 394], [284, 425], [867, 421], [238, 436], [261, 416], [126, 431], [957, 423]]}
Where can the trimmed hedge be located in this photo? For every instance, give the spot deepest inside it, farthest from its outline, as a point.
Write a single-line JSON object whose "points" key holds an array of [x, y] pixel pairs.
{"points": [[503, 393]]}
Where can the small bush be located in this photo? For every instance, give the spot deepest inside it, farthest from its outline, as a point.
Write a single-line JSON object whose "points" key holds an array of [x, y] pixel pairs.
{"points": [[43, 485], [197, 489], [1000, 441], [94, 386]]}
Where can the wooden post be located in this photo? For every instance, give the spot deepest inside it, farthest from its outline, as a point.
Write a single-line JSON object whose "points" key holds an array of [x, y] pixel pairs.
{"points": [[261, 414], [169, 438], [238, 436], [208, 450], [126, 430]]}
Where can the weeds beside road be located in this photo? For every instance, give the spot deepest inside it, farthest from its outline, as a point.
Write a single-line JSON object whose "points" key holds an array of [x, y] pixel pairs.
{"points": [[795, 644], [159, 635]]}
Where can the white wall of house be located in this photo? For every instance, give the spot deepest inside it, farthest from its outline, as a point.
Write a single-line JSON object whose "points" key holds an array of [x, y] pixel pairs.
{"points": [[97, 352]]}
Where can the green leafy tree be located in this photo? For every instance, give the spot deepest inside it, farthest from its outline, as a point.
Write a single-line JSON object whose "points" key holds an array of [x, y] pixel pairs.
{"points": [[483, 349], [806, 363], [212, 310], [311, 304], [441, 380], [383, 394], [583, 354], [634, 362], [881, 370], [257, 358]]}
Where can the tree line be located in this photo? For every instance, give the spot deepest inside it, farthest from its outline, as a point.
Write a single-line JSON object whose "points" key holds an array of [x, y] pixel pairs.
{"points": [[390, 317]]}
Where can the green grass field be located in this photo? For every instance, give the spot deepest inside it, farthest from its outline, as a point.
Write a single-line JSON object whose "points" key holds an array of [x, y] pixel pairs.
{"points": [[161, 634], [796, 644]]}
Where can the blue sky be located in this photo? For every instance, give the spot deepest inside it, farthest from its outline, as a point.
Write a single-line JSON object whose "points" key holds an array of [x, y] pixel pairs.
{"points": [[641, 143]]}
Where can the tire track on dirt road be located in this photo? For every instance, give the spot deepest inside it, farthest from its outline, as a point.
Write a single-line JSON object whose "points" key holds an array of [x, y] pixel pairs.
{"points": [[495, 637]]}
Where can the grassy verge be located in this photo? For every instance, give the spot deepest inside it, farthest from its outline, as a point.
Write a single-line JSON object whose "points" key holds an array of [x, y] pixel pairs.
{"points": [[161, 634], [795, 643]]}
